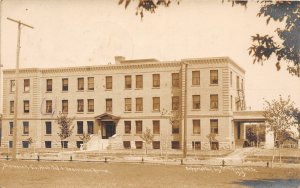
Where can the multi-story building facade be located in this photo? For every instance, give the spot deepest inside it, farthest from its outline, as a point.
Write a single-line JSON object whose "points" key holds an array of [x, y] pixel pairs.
{"points": [[120, 101]]}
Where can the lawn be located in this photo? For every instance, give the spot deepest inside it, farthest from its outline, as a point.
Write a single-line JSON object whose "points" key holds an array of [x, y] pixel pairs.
{"points": [[88, 174]]}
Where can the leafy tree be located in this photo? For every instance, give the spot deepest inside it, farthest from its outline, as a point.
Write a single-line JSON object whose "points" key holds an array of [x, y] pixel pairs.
{"points": [[85, 138], [65, 126], [295, 113], [287, 51], [147, 137], [211, 137], [147, 5], [278, 119]]}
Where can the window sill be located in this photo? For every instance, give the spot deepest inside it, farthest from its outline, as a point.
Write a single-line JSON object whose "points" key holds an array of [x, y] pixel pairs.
{"points": [[127, 134], [90, 112], [196, 134], [155, 87], [26, 92], [12, 92], [65, 91], [80, 113], [138, 88], [127, 112], [127, 88], [108, 89], [48, 91], [79, 134], [175, 87], [213, 84], [196, 109], [138, 111], [156, 134], [108, 111], [213, 109], [155, 111], [138, 134], [195, 85], [90, 90], [80, 90], [47, 134], [25, 135]]}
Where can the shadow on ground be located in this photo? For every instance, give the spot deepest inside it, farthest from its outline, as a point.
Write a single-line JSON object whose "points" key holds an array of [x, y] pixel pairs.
{"points": [[272, 183]]}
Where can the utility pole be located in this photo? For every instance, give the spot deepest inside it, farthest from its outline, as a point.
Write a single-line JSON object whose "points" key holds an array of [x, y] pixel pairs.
{"points": [[15, 125]]}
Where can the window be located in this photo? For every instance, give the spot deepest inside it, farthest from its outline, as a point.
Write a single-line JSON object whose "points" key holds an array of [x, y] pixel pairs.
{"points": [[65, 106], [65, 84], [156, 80], [26, 106], [214, 77], [25, 127], [242, 84], [108, 105], [26, 85], [175, 127], [139, 81], [10, 143], [79, 144], [175, 145], [64, 144], [139, 144], [231, 102], [127, 127], [139, 104], [237, 82], [156, 144], [90, 127], [108, 80], [214, 102], [156, 103], [196, 145], [79, 127], [12, 86], [139, 127], [80, 82], [175, 79], [48, 106], [214, 126], [48, 144], [12, 107], [80, 105], [11, 127], [90, 83], [126, 144], [230, 78], [196, 77], [127, 82], [156, 127], [48, 127], [49, 85], [215, 145], [90, 105], [196, 101], [175, 103], [25, 144], [128, 105], [196, 126]]}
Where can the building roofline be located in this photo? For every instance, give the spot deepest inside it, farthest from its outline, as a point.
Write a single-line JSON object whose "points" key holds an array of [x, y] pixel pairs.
{"points": [[138, 63]]}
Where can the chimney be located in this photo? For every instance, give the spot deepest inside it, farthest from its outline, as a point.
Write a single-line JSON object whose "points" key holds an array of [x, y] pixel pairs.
{"points": [[119, 59]]}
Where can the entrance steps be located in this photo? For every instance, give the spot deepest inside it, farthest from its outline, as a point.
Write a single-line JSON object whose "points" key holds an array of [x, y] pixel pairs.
{"points": [[97, 143]]}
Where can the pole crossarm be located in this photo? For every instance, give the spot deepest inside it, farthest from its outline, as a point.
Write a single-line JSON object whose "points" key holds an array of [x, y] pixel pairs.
{"points": [[19, 22]]}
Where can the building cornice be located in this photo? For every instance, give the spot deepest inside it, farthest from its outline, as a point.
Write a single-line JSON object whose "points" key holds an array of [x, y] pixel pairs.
{"points": [[116, 67]]}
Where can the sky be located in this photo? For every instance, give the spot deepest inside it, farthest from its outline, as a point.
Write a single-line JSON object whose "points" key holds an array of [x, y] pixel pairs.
{"points": [[91, 32]]}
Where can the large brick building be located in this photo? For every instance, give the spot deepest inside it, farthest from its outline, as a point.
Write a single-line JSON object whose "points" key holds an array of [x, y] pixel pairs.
{"points": [[117, 102]]}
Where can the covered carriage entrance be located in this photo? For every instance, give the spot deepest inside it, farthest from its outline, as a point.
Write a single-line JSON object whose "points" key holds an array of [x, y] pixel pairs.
{"points": [[107, 125], [249, 125]]}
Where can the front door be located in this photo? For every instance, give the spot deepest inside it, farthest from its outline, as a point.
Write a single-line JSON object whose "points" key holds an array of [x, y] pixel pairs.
{"points": [[109, 129]]}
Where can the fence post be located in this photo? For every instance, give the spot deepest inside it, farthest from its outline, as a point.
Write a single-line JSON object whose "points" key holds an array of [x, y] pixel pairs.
{"points": [[105, 160], [7, 157], [38, 158], [223, 163], [181, 161], [71, 158]]}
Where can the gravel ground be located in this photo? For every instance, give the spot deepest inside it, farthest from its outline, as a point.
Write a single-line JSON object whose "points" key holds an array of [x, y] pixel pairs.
{"points": [[89, 174]]}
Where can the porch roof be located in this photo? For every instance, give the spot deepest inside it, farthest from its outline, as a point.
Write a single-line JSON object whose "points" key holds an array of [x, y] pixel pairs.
{"points": [[107, 117], [248, 116]]}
